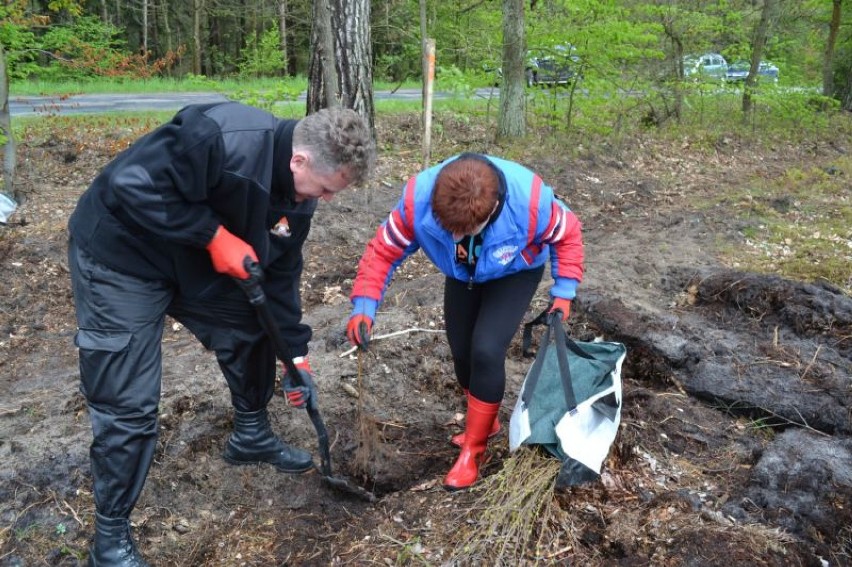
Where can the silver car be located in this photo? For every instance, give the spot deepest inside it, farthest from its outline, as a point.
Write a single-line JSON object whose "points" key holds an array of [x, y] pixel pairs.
{"points": [[707, 66]]}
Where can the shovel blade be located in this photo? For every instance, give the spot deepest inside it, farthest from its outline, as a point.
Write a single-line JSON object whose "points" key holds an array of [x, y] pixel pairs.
{"points": [[349, 488]]}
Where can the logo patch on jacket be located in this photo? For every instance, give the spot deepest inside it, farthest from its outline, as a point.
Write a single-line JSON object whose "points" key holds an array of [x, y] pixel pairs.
{"points": [[281, 228], [505, 254]]}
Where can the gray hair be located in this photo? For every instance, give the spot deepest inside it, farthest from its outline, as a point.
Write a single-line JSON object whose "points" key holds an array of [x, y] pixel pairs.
{"points": [[337, 138]]}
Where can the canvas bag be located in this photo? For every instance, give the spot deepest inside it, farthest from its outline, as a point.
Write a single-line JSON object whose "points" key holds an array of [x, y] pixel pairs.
{"points": [[7, 207], [570, 401]]}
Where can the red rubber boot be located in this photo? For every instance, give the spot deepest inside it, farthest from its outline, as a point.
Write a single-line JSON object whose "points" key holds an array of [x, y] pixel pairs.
{"points": [[480, 420], [458, 440]]}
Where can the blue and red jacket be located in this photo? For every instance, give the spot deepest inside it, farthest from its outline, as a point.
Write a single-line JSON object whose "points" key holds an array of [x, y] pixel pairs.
{"points": [[531, 226]]}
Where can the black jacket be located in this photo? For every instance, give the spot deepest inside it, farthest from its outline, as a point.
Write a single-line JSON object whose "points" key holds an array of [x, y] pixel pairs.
{"points": [[153, 209]]}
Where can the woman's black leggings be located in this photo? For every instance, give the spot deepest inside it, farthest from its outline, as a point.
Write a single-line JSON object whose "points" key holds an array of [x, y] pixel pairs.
{"points": [[480, 322]]}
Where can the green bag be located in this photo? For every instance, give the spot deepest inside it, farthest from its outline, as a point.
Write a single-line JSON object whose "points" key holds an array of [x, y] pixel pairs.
{"points": [[570, 401]]}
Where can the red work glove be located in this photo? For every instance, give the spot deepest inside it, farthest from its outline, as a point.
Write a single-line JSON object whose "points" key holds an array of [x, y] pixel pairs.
{"points": [[562, 305], [229, 253], [358, 330], [298, 395]]}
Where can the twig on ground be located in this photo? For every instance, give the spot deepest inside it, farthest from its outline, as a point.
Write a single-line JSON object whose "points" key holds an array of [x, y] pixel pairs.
{"points": [[74, 513], [811, 363], [394, 334]]}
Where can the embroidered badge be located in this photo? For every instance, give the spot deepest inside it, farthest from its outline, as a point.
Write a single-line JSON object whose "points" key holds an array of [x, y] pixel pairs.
{"points": [[281, 228], [505, 254]]}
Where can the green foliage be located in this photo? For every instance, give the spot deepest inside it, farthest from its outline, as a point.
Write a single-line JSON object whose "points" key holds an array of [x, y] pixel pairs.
{"points": [[400, 64], [452, 80], [465, 35], [19, 43], [200, 82], [269, 98], [75, 42], [262, 57], [85, 30]]}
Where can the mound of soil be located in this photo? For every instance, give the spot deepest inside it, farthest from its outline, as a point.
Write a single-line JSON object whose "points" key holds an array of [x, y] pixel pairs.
{"points": [[734, 446]]}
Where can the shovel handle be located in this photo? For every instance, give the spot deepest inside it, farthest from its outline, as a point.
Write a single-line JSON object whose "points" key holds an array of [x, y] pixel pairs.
{"points": [[257, 297]]}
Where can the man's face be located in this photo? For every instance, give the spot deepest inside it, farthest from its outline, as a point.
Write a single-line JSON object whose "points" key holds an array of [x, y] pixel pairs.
{"points": [[313, 185]]}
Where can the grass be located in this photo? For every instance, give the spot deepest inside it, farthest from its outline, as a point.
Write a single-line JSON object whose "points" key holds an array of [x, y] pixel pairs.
{"points": [[798, 225]]}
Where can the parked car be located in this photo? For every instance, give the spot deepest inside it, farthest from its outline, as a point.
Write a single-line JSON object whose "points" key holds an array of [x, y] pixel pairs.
{"points": [[738, 71], [707, 66], [556, 66]]}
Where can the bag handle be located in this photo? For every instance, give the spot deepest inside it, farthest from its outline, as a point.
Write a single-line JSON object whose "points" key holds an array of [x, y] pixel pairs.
{"points": [[554, 325], [542, 319], [563, 344]]}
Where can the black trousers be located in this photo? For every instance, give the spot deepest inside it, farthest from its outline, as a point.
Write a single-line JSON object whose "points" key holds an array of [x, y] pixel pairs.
{"points": [[120, 322], [480, 321]]}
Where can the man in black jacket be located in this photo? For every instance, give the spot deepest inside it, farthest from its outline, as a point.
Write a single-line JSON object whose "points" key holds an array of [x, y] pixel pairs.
{"points": [[164, 229]]}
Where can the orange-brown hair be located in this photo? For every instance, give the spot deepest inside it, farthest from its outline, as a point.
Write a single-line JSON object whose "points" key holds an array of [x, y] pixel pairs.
{"points": [[465, 193]]}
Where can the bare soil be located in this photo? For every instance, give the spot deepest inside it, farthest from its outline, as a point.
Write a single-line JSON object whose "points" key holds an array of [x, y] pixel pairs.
{"points": [[688, 480]]}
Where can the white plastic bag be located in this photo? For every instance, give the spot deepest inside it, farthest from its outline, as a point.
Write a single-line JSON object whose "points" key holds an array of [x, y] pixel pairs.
{"points": [[7, 207]]}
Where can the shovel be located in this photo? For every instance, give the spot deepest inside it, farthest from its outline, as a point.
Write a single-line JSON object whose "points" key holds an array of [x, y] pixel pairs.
{"points": [[256, 296]]}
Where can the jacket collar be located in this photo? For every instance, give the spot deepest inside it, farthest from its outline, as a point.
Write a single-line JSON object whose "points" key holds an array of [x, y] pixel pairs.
{"points": [[283, 188]]}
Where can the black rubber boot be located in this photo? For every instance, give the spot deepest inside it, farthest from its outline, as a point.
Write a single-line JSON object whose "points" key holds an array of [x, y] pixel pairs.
{"points": [[253, 441], [113, 545]]}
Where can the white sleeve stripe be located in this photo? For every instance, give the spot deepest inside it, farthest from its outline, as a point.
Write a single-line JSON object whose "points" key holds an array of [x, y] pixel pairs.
{"points": [[560, 233], [396, 232], [388, 240], [557, 227]]}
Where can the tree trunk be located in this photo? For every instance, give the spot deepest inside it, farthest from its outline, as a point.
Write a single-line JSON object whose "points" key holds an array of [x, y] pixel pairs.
{"points": [[828, 57], [282, 32], [144, 27], [767, 17], [424, 61], [511, 123], [354, 57], [198, 8], [9, 159], [322, 73], [167, 28], [104, 12], [676, 37], [846, 103]]}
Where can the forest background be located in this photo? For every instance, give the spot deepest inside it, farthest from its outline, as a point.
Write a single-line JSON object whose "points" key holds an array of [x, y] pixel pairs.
{"points": [[624, 46]]}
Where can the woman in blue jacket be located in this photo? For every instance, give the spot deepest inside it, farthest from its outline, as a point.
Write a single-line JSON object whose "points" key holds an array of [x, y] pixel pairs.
{"points": [[489, 225]]}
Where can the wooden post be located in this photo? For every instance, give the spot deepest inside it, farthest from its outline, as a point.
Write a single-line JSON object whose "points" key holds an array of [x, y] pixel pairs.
{"points": [[429, 81]]}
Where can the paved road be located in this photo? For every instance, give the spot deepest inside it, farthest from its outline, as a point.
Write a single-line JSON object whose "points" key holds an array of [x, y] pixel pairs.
{"points": [[91, 103], [100, 103]]}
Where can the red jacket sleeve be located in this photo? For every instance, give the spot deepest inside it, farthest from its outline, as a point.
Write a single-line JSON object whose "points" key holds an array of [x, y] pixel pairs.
{"points": [[394, 241], [563, 234]]}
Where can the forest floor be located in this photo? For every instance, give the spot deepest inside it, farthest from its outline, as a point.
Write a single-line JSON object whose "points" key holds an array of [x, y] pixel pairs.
{"points": [[679, 486]]}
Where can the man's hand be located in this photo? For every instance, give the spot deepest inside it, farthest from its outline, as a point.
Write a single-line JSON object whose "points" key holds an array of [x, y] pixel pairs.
{"points": [[563, 306], [229, 252], [358, 330], [298, 394]]}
